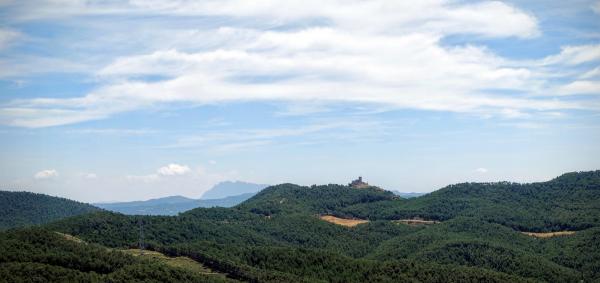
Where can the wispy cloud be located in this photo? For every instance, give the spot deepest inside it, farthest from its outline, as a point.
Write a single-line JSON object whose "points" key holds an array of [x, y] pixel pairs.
{"points": [[113, 131], [580, 87], [429, 16], [574, 55], [320, 132], [46, 174], [370, 53]]}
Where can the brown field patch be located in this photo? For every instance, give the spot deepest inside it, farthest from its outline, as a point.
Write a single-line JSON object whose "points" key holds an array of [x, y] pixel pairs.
{"points": [[549, 234], [71, 238], [416, 221], [342, 221]]}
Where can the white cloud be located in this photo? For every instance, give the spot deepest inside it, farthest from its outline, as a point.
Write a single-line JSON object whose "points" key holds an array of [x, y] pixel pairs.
{"points": [[173, 169], [481, 170], [46, 174], [311, 65], [162, 172]]}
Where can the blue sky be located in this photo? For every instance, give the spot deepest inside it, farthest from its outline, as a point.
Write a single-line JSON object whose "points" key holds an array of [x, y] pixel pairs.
{"points": [[125, 100]]}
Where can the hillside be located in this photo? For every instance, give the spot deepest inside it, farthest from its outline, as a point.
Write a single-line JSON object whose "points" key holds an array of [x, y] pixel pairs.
{"points": [[569, 202], [171, 205], [19, 209], [40, 255], [277, 235], [290, 198]]}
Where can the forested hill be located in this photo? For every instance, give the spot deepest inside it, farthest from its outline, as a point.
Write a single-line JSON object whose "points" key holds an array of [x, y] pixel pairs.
{"points": [[569, 202], [278, 235], [39, 255], [290, 198], [25, 209]]}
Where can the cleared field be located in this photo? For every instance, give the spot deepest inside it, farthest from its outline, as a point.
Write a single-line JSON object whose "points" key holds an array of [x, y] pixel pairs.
{"points": [[342, 221], [416, 221], [180, 262], [549, 234]]}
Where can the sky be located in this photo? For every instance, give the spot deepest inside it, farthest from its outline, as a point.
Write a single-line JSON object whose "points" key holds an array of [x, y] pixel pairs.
{"points": [[123, 100]]}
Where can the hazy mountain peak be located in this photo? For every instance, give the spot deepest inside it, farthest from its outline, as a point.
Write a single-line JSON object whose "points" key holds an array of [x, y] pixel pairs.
{"points": [[232, 188]]}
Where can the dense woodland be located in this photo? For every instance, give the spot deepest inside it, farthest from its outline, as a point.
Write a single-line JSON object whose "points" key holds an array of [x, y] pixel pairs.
{"points": [[40, 255], [18, 209], [276, 236]]}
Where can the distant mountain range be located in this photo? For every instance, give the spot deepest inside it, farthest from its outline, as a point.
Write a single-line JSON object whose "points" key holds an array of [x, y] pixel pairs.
{"points": [[172, 205], [408, 195], [228, 189], [224, 194], [468, 232]]}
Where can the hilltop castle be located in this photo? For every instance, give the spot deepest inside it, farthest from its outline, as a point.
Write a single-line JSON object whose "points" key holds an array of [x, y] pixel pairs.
{"points": [[358, 184]]}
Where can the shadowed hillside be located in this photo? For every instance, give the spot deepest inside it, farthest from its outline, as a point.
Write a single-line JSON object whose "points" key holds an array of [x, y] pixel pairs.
{"points": [[19, 209]]}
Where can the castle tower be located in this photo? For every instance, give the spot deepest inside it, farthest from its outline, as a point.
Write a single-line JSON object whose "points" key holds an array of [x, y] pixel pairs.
{"points": [[358, 183]]}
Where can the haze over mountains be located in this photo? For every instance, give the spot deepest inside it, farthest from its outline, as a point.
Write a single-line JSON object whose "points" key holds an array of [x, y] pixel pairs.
{"points": [[224, 194], [171, 205], [229, 188], [408, 195]]}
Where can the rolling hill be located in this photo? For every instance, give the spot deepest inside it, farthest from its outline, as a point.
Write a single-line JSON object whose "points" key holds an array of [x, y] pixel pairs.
{"points": [[568, 202], [19, 209], [39, 255]]}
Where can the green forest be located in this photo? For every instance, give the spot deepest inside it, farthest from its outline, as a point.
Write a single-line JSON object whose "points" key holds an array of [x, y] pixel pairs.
{"points": [[20, 209], [277, 236]]}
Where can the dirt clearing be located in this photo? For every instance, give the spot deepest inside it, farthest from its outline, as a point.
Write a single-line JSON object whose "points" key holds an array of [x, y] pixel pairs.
{"points": [[342, 221]]}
